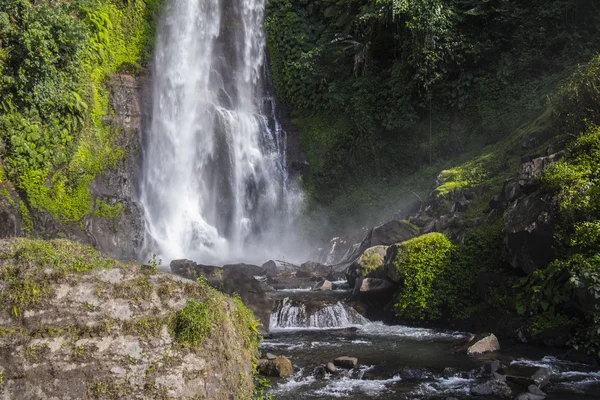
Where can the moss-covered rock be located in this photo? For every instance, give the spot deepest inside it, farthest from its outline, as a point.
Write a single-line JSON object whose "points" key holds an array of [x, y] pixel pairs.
{"points": [[420, 262], [367, 264], [75, 324], [277, 367]]}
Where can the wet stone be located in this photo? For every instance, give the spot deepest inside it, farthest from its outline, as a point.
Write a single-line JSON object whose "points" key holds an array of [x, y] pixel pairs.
{"points": [[331, 368], [345, 362], [319, 372]]}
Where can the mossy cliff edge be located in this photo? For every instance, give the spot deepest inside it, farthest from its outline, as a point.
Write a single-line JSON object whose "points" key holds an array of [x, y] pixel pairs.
{"points": [[76, 324], [70, 119]]}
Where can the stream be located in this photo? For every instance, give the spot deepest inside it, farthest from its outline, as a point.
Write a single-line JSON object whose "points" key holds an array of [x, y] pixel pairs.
{"points": [[397, 362]]}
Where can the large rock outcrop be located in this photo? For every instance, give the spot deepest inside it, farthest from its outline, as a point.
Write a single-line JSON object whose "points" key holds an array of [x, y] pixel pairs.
{"points": [[233, 279], [75, 324]]}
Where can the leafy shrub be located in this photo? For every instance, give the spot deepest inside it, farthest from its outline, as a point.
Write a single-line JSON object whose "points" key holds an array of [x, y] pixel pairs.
{"points": [[570, 286], [421, 262]]}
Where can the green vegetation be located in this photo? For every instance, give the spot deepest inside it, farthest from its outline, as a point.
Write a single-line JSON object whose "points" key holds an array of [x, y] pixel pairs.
{"points": [[54, 59], [370, 261], [28, 267], [388, 93], [421, 262], [195, 322], [574, 278], [108, 211]]}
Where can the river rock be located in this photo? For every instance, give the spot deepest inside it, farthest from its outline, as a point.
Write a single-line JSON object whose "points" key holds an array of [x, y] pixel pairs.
{"points": [[533, 389], [527, 376], [529, 396], [278, 367], [486, 344], [105, 329], [493, 387], [270, 356], [493, 367], [323, 285], [345, 362], [331, 368], [374, 285], [319, 372], [313, 269]]}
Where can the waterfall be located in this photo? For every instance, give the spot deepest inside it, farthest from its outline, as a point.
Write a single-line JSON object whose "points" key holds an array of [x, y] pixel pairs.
{"points": [[293, 314], [215, 185]]}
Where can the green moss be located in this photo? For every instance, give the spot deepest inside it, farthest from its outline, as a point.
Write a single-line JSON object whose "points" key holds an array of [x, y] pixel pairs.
{"points": [[25, 218], [370, 261], [421, 262], [4, 193]]}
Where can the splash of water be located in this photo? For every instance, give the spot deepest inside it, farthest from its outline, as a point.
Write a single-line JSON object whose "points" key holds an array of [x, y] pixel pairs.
{"points": [[215, 185]]}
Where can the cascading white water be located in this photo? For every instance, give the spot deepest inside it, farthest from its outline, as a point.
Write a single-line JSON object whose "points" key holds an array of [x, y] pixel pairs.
{"points": [[215, 184], [292, 314]]}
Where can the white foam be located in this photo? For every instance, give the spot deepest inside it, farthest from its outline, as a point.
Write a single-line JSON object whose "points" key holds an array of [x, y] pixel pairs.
{"points": [[346, 386], [379, 329]]}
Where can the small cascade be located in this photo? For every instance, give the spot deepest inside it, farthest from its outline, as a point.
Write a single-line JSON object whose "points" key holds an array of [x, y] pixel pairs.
{"points": [[293, 314]]}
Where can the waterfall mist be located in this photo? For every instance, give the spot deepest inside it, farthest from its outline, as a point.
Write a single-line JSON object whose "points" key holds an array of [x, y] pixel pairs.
{"points": [[215, 184]]}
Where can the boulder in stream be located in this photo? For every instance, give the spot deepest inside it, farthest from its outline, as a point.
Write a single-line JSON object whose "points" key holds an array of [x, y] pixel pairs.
{"points": [[346, 362], [483, 344], [331, 368], [323, 285], [493, 387], [278, 367], [527, 375], [368, 263]]}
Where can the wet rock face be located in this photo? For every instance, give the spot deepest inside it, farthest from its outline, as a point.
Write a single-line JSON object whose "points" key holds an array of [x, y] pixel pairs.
{"points": [[118, 233], [109, 333], [121, 236]]}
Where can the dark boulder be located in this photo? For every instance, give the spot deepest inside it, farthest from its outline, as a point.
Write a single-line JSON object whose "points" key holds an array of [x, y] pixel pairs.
{"points": [[493, 387], [345, 362], [529, 233], [526, 375]]}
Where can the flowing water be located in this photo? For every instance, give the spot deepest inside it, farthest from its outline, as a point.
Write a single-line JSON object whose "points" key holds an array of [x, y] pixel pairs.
{"points": [[396, 362], [215, 184]]}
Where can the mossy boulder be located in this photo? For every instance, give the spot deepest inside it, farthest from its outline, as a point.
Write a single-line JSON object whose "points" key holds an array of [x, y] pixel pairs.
{"points": [[277, 367], [419, 264], [369, 263], [76, 324]]}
